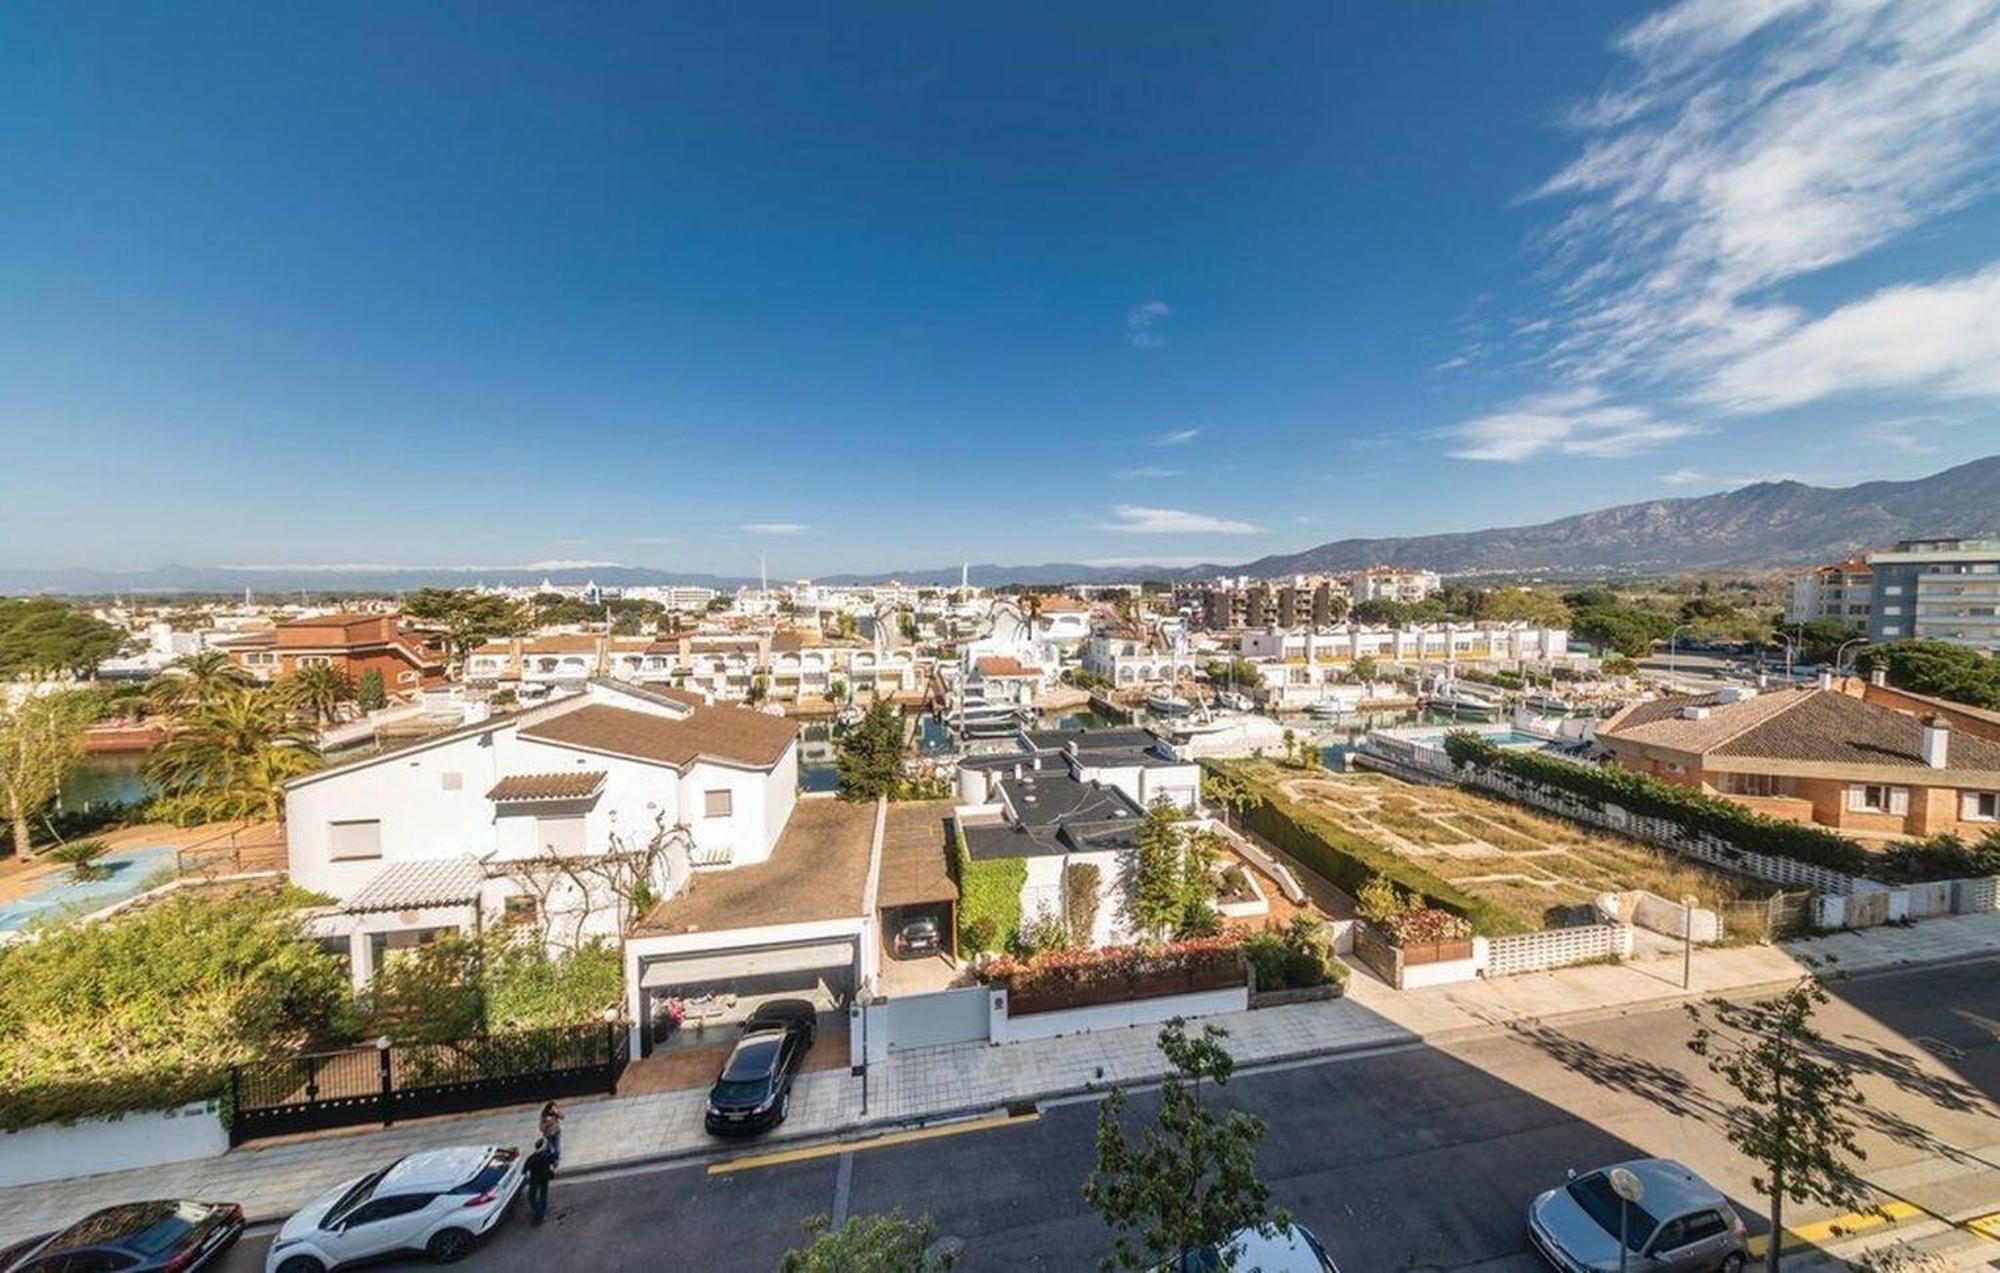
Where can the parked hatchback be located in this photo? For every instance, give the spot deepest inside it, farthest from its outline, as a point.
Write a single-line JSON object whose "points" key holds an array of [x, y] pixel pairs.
{"points": [[439, 1202], [754, 1091], [918, 938], [1681, 1223], [135, 1237]]}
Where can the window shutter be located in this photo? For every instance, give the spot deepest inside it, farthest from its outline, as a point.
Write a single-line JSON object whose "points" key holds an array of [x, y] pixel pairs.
{"points": [[1857, 799], [1899, 799]]}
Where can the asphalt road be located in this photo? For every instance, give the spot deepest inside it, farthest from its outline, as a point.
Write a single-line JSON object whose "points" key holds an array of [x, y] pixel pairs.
{"points": [[1417, 1159]]}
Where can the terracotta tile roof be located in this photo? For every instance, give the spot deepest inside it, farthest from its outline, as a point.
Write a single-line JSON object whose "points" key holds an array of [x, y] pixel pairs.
{"points": [[731, 734], [1830, 728], [818, 870], [343, 619], [579, 784], [1805, 726], [1661, 723], [1002, 665], [408, 886], [560, 643]]}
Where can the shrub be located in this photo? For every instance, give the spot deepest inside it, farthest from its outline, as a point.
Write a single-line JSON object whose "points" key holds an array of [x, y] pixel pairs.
{"points": [[1081, 882], [989, 899], [1942, 857], [1091, 973], [1650, 797], [1298, 956], [1426, 926]]}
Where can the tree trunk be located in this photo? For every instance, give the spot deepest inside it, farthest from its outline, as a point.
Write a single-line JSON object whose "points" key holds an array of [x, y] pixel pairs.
{"points": [[18, 816], [1771, 1253]]}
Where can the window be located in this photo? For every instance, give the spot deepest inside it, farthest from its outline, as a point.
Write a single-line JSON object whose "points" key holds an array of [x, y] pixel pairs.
{"points": [[1892, 629], [562, 836], [346, 841], [717, 804], [1876, 798], [389, 1208], [517, 910], [1892, 590], [406, 678], [1754, 785], [454, 780], [1701, 1226], [1980, 806], [1892, 609], [315, 660]]}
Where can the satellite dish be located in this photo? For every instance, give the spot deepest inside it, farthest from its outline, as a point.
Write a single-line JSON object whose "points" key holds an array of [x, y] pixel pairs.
{"points": [[1625, 1184]]}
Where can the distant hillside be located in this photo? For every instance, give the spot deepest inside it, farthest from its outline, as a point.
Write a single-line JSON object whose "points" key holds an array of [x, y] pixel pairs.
{"points": [[1767, 524]]}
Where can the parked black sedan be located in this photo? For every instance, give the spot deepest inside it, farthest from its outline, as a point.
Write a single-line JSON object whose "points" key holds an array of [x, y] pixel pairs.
{"points": [[139, 1237], [918, 938], [754, 1091]]}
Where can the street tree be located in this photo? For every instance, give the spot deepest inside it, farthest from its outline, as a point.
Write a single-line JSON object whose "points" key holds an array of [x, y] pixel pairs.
{"points": [[889, 1243], [465, 618], [1796, 1121], [41, 738], [1179, 1195]]}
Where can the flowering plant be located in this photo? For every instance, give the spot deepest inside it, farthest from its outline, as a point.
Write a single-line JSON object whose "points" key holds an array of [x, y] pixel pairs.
{"points": [[1426, 926]]}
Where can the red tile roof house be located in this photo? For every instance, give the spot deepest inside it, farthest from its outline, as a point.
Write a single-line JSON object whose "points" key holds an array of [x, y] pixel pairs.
{"points": [[1817, 755], [354, 643]]}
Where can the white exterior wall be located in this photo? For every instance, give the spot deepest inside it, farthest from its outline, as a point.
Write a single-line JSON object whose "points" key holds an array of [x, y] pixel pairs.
{"points": [[1043, 890], [1113, 1016], [91, 1146]]}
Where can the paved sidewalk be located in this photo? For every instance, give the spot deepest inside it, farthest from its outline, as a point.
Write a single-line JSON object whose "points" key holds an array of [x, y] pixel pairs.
{"points": [[942, 1082]]}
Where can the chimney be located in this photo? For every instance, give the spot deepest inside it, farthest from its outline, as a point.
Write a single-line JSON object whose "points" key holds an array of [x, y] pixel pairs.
{"points": [[1826, 678], [1937, 742], [1878, 675]]}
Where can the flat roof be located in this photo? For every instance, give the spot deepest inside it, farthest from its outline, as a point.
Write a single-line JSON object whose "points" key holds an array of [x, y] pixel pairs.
{"points": [[1047, 799], [916, 855], [818, 870]]}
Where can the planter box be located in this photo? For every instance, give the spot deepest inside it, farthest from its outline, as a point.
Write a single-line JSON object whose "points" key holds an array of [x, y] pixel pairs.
{"points": [[1031, 999], [1304, 994], [91, 1146]]}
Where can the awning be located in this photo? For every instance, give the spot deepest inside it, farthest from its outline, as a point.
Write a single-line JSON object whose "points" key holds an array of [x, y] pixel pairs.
{"points": [[723, 966], [409, 886]]}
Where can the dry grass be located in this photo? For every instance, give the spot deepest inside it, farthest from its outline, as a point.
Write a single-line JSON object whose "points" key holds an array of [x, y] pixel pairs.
{"points": [[1534, 866]]}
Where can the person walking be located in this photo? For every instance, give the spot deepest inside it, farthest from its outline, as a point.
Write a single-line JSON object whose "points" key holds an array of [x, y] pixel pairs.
{"points": [[551, 1131], [541, 1165]]}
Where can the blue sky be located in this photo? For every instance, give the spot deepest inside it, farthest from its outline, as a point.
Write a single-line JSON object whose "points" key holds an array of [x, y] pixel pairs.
{"points": [[906, 285]]}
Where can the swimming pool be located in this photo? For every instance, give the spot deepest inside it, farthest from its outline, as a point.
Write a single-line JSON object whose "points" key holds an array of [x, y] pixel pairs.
{"points": [[57, 896], [1498, 737]]}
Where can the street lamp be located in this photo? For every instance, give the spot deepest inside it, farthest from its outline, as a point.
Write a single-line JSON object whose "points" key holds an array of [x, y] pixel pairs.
{"points": [[1673, 675], [1837, 654], [1629, 1190]]}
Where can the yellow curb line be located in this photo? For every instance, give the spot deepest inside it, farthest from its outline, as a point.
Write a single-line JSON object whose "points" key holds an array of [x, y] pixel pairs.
{"points": [[1890, 1213], [780, 1157]]}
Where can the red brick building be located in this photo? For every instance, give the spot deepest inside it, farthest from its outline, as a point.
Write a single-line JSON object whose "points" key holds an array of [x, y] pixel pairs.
{"points": [[354, 643]]}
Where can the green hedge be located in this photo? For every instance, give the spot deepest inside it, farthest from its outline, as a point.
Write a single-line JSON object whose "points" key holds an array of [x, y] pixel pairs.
{"points": [[1349, 861], [989, 901], [1650, 797]]}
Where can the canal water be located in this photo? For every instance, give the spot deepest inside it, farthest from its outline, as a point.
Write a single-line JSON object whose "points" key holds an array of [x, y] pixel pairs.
{"points": [[97, 780]]}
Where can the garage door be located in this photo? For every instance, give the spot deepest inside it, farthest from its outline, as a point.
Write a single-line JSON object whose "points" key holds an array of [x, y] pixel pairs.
{"points": [[740, 964]]}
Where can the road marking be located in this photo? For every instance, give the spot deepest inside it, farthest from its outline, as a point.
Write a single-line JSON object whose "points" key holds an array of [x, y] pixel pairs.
{"points": [[843, 1185], [780, 1157], [1819, 1231], [1986, 1226]]}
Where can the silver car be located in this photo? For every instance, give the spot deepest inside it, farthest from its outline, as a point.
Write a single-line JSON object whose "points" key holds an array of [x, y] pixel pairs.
{"points": [[1680, 1223]]}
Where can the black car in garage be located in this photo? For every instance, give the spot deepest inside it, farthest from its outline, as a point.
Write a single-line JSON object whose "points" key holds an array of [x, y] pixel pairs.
{"points": [[754, 1091]]}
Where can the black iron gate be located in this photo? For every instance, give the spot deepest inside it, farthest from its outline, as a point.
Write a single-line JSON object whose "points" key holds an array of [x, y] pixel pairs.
{"points": [[312, 1092]]}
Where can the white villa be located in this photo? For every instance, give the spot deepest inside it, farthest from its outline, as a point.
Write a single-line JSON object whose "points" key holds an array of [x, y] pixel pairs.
{"points": [[1420, 643], [547, 816], [1128, 659]]}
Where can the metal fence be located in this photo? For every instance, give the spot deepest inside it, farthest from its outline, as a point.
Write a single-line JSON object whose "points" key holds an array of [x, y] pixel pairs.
{"points": [[314, 1091]]}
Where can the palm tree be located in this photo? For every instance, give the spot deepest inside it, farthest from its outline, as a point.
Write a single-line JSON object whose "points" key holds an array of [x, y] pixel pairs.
{"points": [[230, 757], [81, 856], [316, 692], [195, 680]]}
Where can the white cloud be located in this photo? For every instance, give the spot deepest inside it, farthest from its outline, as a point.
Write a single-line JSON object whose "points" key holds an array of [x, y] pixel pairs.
{"points": [[1176, 437], [1943, 338], [1684, 477], [774, 528], [1580, 421], [1757, 142], [1138, 519], [1142, 323], [1145, 471], [1120, 563], [1916, 436]]}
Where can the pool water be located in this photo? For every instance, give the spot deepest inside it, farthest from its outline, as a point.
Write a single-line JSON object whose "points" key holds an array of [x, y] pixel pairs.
{"points": [[58, 896]]}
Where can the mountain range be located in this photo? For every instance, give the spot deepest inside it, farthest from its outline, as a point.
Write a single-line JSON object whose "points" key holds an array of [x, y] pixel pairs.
{"points": [[1765, 524]]}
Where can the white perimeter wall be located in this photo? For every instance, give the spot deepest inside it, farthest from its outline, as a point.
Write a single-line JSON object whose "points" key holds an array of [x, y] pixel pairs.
{"points": [[1113, 1016], [1043, 890], [58, 1151]]}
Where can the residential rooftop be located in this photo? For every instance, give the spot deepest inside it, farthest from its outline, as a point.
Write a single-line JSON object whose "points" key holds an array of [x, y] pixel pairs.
{"points": [[817, 870]]}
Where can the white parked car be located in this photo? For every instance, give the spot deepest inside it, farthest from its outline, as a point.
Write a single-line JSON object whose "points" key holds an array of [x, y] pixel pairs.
{"points": [[439, 1202]]}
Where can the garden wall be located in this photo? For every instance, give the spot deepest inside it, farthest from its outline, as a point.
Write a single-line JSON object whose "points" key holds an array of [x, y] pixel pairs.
{"points": [[1006, 1028], [91, 1146]]}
